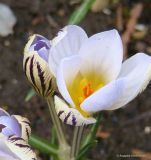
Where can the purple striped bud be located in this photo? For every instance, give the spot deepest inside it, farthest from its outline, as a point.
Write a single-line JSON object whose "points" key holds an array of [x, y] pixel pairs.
{"points": [[36, 65]]}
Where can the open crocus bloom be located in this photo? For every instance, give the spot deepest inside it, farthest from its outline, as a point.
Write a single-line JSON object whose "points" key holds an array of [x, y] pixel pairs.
{"points": [[14, 134], [90, 74]]}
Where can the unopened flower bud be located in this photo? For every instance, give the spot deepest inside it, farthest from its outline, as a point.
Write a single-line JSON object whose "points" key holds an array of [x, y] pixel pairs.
{"points": [[36, 65]]}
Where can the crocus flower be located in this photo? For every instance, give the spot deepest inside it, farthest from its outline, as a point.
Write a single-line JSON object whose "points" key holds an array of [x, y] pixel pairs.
{"points": [[90, 74], [36, 65], [14, 134]]}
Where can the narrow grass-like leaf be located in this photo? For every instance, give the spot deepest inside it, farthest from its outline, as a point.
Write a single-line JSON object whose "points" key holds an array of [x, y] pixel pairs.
{"points": [[79, 14], [85, 149], [31, 93], [42, 145]]}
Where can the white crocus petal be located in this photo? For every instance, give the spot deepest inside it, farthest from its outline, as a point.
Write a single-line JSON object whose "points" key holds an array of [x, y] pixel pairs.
{"points": [[69, 115], [67, 70], [25, 126], [102, 55], [137, 72], [67, 43], [20, 148], [105, 97]]}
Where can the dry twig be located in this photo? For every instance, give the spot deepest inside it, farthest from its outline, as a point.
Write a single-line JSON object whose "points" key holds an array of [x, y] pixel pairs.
{"points": [[130, 27], [119, 17], [137, 118], [52, 22]]}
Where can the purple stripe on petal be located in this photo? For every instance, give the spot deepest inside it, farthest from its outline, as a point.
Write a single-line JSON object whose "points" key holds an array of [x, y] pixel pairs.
{"points": [[60, 113], [74, 121], [66, 118]]}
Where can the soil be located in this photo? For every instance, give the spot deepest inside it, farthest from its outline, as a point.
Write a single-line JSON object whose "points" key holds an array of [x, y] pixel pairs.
{"points": [[127, 126]]}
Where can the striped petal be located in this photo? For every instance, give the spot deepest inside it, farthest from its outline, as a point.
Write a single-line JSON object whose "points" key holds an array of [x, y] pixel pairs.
{"points": [[69, 115], [67, 43], [25, 126], [20, 148], [38, 74], [16, 148]]}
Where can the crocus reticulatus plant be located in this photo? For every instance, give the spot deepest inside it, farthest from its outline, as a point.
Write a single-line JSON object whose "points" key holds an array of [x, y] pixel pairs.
{"points": [[89, 73], [14, 133]]}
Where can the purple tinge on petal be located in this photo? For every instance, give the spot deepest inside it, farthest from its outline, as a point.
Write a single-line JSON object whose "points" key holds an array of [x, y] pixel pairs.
{"points": [[42, 46], [12, 127], [3, 112]]}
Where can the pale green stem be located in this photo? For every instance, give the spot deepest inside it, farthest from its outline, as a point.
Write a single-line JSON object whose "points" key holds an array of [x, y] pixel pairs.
{"points": [[78, 132], [64, 148]]}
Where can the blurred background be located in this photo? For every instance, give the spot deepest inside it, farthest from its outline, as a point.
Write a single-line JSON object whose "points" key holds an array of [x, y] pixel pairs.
{"points": [[125, 131]]}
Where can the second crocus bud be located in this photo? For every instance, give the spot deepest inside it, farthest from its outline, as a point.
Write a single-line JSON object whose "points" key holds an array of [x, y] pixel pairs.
{"points": [[36, 65]]}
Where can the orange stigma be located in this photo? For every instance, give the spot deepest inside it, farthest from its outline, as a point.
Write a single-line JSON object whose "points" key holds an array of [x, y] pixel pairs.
{"points": [[86, 90]]}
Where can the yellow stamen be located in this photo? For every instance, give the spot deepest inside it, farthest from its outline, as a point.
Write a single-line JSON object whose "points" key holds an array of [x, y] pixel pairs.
{"points": [[81, 89]]}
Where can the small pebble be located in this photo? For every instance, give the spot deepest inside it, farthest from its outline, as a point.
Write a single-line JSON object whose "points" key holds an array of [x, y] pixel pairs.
{"points": [[7, 43], [14, 81], [147, 130]]}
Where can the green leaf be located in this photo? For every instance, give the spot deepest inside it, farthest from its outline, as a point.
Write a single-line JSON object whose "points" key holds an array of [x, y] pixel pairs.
{"points": [[81, 12], [31, 93], [42, 145]]}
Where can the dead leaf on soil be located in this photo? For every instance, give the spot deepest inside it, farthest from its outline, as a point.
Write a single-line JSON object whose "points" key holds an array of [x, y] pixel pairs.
{"points": [[102, 134], [141, 154]]}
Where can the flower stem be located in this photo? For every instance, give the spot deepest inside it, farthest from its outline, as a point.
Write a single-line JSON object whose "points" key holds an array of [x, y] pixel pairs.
{"points": [[64, 148], [78, 131]]}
